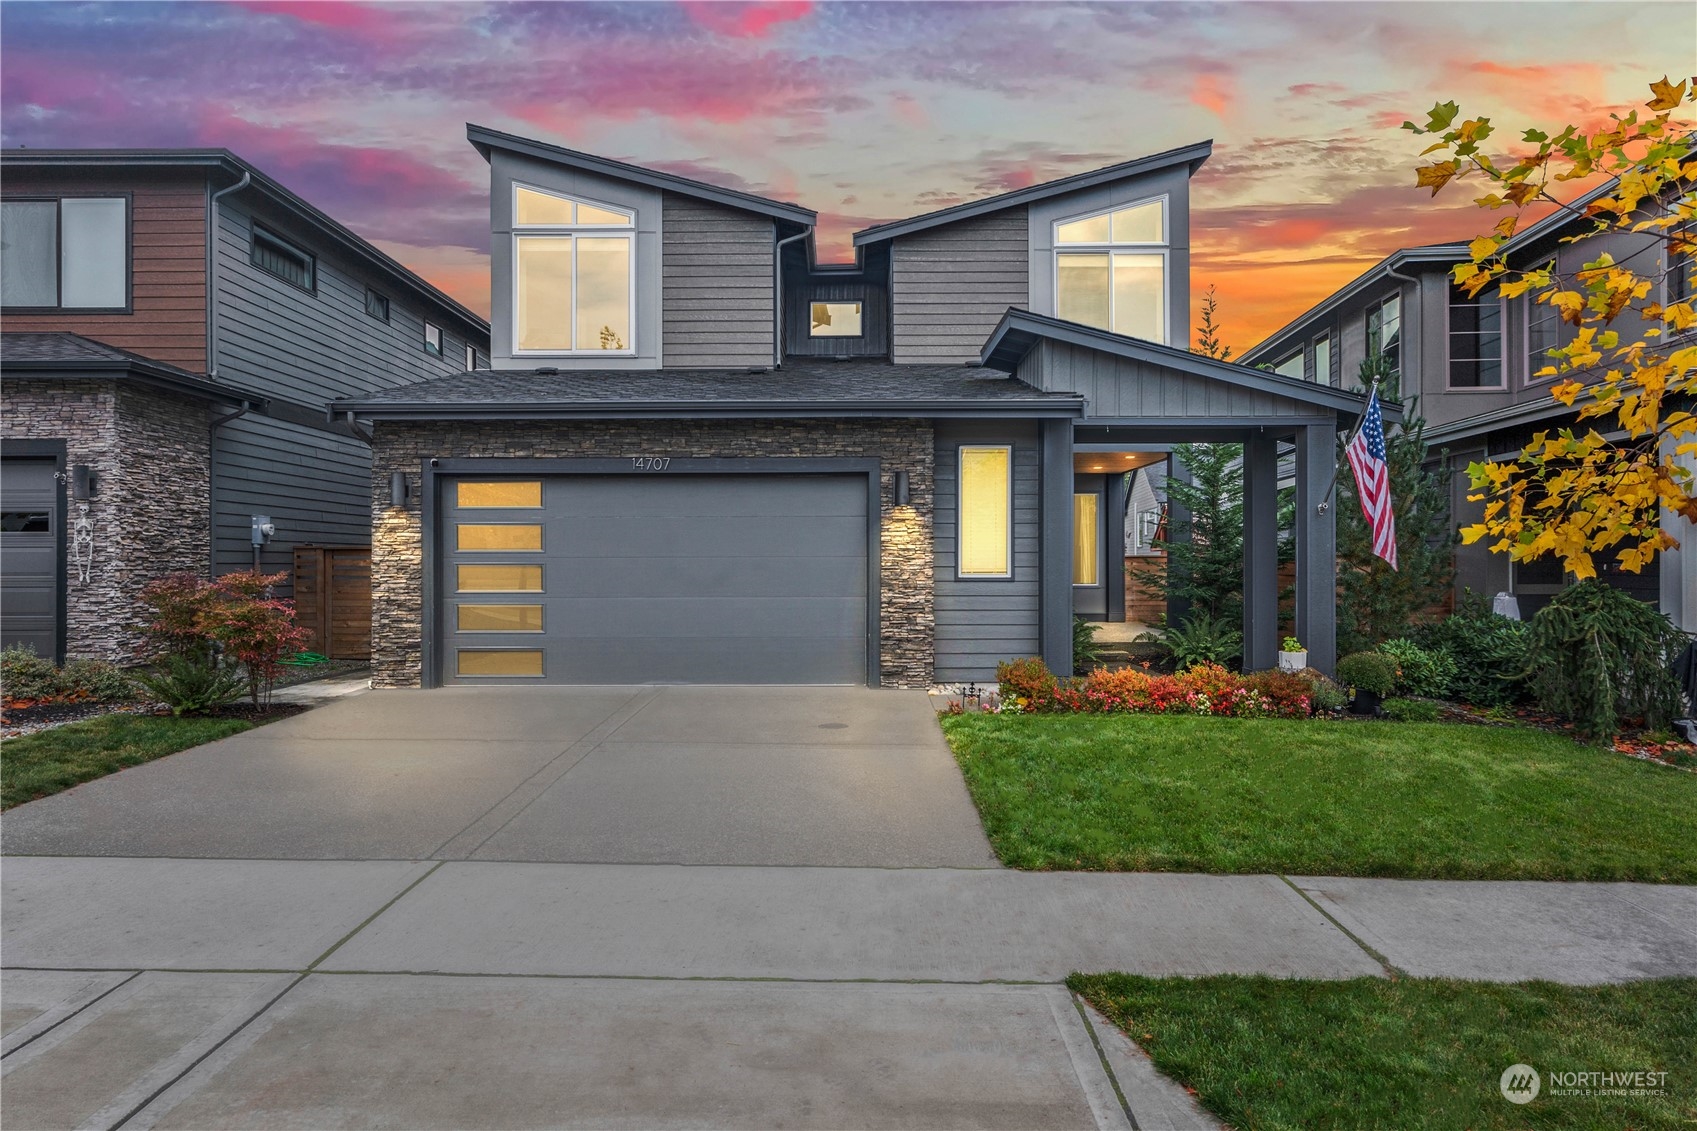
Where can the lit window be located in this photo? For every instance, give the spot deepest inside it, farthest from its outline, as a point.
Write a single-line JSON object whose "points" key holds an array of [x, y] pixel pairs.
{"points": [[502, 493], [276, 256], [1384, 335], [835, 320], [470, 357], [1086, 539], [433, 339], [498, 618], [1476, 340], [986, 512], [376, 305], [1098, 285], [1290, 366], [498, 536], [499, 662], [498, 578], [72, 253], [572, 274], [1323, 359]]}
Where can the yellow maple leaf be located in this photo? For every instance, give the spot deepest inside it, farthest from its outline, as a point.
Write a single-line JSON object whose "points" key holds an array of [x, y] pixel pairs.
{"points": [[1668, 95]]}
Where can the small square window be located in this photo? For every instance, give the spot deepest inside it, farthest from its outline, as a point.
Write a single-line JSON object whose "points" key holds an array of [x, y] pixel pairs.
{"points": [[278, 257], [376, 305], [433, 339], [835, 320], [470, 357]]}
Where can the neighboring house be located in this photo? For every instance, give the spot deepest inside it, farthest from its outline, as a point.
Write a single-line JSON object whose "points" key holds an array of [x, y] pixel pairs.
{"points": [[175, 324], [1469, 366], [698, 455]]}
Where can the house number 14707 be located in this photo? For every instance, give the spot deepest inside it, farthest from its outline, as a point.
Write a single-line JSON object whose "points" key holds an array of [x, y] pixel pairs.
{"points": [[651, 463]]}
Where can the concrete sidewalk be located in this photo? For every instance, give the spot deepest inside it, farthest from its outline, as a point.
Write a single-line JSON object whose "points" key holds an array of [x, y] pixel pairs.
{"points": [[262, 993]]}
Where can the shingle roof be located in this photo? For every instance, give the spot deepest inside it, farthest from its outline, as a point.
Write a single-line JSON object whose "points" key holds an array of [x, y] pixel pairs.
{"points": [[861, 387], [63, 354]]}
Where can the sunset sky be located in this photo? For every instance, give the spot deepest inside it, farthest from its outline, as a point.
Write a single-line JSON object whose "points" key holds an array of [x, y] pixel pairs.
{"points": [[865, 112]]}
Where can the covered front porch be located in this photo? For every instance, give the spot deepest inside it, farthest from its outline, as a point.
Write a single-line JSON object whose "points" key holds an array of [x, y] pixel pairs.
{"points": [[1142, 400]]}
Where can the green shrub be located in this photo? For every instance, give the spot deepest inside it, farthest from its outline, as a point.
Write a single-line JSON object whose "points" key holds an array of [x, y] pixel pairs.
{"points": [[1412, 710], [97, 680], [1327, 696], [24, 675], [1599, 656], [190, 683], [1086, 652], [1423, 672], [1489, 653], [1202, 639], [1368, 671]]}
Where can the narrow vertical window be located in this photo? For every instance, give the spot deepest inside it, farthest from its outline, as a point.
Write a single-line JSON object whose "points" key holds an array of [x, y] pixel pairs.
{"points": [[986, 512], [1384, 336], [1086, 538], [1323, 359], [470, 357], [1543, 334], [1476, 340], [377, 305], [433, 339]]}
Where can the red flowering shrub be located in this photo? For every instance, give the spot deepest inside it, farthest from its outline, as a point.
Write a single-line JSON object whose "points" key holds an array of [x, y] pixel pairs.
{"points": [[1206, 689], [193, 618], [1291, 696], [1027, 684]]}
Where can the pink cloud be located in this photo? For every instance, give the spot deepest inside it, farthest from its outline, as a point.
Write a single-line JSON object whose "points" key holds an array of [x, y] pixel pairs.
{"points": [[745, 20], [908, 110], [339, 16], [1215, 93]]}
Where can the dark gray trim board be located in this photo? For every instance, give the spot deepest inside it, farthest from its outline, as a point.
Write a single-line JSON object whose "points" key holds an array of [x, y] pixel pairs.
{"points": [[54, 450], [1049, 408], [1192, 155], [435, 471], [486, 139]]}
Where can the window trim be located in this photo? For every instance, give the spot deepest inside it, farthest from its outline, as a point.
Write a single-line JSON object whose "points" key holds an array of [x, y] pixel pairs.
{"points": [[1166, 226], [960, 511], [470, 358], [860, 310], [256, 232], [1163, 248], [374, 293], [626, 231], [1314, 348], [440, 348], [59, 252], [1449, 347]]}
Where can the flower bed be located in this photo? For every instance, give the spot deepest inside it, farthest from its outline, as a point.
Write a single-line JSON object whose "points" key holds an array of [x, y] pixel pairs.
{"points": [[1207, 689]]}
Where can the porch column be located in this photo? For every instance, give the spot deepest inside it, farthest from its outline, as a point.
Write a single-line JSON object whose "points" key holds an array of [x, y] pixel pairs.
{"points": [[1055, 573], [1115, 577], [1260, 554], [1317, 544], [1178, 530]]}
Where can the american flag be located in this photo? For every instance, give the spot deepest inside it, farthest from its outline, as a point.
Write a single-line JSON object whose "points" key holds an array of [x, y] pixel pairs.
{"points": [[1373, 480]]}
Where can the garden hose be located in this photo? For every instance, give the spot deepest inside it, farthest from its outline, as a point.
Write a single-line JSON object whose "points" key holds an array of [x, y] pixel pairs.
{"points": [[306, 659]]}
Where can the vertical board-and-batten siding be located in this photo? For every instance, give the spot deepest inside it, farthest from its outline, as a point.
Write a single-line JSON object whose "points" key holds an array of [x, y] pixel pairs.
{"points": [[953, 283], [311, 348], [981, 622], [168, 264], [717, 284], [1117, 387]]}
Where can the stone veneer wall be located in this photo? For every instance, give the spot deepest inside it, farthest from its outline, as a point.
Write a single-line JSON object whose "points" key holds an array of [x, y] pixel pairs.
{"points": [[906, 616], [152, 503]]}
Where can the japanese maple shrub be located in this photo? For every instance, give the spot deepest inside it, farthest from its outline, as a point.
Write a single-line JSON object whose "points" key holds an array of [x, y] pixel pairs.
{"points": [[210, 638]]}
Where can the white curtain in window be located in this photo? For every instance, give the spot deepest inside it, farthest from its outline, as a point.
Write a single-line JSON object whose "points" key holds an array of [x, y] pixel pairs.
{"points": [[93, 252], [28, 232]]}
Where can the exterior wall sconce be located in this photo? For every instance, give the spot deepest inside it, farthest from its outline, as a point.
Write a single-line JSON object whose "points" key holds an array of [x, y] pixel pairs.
{"points": [[398, 489], [903, 495], [85, 484]]}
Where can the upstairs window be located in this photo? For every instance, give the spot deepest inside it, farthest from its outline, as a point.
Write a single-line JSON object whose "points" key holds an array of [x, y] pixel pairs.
{"points": [[470, 357], [433, 339], [276, 256], [834, 320], [1290, 366], [71, 253], [573, 286], [1384, 337], [1476, 340], [1323, 359], [376, 305], [1111, 270], [1682, 261], [1544, 332]]}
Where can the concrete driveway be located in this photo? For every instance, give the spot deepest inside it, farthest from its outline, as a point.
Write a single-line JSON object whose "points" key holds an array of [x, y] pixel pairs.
{"points": [[630, 775]]}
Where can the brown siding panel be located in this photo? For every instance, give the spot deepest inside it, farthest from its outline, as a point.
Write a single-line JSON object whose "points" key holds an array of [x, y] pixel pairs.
{"points": [[168, 266]]}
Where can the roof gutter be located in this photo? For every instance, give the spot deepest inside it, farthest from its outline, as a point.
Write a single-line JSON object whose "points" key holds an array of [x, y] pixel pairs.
{"points": [[778, 293], [212, 226], [1049, 407]]}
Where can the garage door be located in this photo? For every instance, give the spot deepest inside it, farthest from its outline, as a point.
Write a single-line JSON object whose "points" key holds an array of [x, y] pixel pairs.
{"points": [[29, 554], [677, 579]]}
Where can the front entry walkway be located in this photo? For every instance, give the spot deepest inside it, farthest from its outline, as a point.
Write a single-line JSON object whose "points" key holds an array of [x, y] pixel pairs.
{"points": [[831, 776]]}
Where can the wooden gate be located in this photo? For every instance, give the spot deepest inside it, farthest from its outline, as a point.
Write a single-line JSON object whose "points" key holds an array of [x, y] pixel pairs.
{"points": [[333, 599]]}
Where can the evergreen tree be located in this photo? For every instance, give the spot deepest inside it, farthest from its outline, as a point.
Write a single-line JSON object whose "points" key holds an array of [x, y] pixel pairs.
{"points": [[1382, 602], [1205, 550], [1208, 342]]}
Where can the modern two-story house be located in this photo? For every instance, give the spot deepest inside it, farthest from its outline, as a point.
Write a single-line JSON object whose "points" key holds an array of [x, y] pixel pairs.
{"points": [[174, 326], [1470, 367], [699, 455]]}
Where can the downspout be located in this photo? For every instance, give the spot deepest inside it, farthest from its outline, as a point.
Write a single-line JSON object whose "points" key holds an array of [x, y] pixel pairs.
{"points": [[212, 369], [778, 296]]}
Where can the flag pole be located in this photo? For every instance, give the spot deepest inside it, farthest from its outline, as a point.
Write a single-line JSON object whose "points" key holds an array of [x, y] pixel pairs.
{"points": [[1337, 469]]}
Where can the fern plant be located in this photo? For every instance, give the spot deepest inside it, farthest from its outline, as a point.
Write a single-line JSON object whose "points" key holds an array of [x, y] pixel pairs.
{"points": [[1202, 639], [1086, 650]]}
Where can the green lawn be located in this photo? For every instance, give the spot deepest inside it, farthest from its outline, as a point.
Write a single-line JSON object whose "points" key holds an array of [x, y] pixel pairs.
{"points": [[36, 765], [1413, 1053], [1175, 793]]}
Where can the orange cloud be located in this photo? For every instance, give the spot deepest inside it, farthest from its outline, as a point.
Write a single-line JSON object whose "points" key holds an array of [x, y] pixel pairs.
{"points": [[1215, 93]]}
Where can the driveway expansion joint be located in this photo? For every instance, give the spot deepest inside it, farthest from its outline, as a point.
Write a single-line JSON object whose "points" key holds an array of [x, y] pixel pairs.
{"points": [[1391, 971]]}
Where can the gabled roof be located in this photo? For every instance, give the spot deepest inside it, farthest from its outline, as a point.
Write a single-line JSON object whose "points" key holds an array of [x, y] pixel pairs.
{"points": [[61, 354], [1191, 155], [803, 387], [1021, 331], [486, 139], [234, 167]]}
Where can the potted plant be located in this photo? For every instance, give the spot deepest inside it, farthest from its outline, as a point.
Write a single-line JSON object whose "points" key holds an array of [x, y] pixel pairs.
{"points": [[1370, 677], [1293, 657]]}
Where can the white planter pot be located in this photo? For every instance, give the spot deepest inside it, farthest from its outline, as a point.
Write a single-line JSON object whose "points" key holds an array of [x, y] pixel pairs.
{"points": [[1292, 661]]}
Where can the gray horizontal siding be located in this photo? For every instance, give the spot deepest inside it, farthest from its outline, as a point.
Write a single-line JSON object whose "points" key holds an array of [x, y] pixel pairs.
{"points": [[315, 486], [952, 284], [981, 623], [716, 284], [1121, 387]]}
